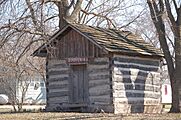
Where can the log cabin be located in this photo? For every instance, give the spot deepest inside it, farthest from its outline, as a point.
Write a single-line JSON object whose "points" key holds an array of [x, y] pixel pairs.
{"points": [[93, 69]]}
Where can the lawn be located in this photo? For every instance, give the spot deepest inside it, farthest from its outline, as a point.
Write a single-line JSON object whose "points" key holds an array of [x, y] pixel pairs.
{"points": [[86, 116]]}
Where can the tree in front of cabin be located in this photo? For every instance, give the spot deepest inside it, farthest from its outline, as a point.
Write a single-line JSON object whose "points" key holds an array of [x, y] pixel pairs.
{"points": [[170, 11]]}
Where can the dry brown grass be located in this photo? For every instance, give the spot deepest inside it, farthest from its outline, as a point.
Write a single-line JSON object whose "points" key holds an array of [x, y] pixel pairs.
{"points": [[86, 116]]}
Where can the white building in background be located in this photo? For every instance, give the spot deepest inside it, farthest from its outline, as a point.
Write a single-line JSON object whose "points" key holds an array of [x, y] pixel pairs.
{"points": [[166, 87], [36, 91]]}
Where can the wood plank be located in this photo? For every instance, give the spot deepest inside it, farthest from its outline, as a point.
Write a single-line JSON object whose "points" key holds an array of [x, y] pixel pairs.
{"points": [[132, 100], [143, 68], [58, 90], [58, 79], [58, 69], [65, 82], [58, 100], [130, 71], [136, 57], [135, 86], [62, 86], [93, 83], [130, 64], [100, 99], [136, 94], [99, 88], [58, 94], [94, 67], [99, 77], [136, 79], [58, 72], [58, 76], [99, 92], [98, 73], [140, 102]]}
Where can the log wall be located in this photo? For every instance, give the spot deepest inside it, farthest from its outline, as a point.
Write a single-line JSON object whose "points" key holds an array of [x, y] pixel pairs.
{"points": [[136, 85], [129, 85], [100, 84], [57, 84]]}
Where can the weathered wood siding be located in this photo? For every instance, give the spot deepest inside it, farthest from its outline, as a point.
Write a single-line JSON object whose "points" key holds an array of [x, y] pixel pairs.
{"points": [[100, 89], [136, 84], [74, 45], [57, 84]]}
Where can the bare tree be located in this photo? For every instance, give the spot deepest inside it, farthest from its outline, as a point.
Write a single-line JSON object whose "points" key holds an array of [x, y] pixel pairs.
{"points": [[158, 10]]}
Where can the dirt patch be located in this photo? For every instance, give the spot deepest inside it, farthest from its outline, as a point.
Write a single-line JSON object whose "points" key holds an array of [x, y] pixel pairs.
{"points": [[86, 116]]}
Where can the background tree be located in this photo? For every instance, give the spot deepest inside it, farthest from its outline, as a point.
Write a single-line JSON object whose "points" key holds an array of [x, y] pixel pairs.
{"points": [[171, 10]]}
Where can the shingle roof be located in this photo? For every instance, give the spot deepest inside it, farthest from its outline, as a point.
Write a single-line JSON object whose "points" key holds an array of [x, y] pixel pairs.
{"points": [[118, 41], [114, 40]]}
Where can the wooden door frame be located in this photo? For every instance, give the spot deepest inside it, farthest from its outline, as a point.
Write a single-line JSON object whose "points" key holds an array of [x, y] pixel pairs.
{"points": [[85, 84]]}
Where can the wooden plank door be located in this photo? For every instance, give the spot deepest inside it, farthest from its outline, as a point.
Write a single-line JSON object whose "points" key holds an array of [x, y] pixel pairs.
{"points": [[79, 84]]}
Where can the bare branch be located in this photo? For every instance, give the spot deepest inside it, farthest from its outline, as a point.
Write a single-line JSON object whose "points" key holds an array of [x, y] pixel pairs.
{"points": [[32, 12], [133, 19], [74, 14], [170, 15], [109, 21]]}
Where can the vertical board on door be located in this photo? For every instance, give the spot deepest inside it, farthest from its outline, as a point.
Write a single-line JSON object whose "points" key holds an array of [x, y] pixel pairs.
{"points": [[78, 84]]}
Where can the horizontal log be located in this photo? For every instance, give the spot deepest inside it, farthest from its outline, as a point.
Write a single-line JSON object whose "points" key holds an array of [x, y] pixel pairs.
{"points": [[134, 72], [98, 71], [152, 75], [61, 86], [99, 88], [95, 83], [138, 79], [58, 79], [154, 62], [58, 100], [133, 99], [94, 67], [136, 86], [101, 99], [65, 82], [100, 92], [97, 80], [59, 72], [58, 90], [145, 68], [97, 77], [58, 69], [58, 94], [135, 64], [143, 101], [58, 76], [136, 94]]}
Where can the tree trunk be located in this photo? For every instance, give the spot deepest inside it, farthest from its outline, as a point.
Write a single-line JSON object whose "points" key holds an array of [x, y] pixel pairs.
{"points": [[62, 14], [176, 90], [174, 67], [175, 94]]}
